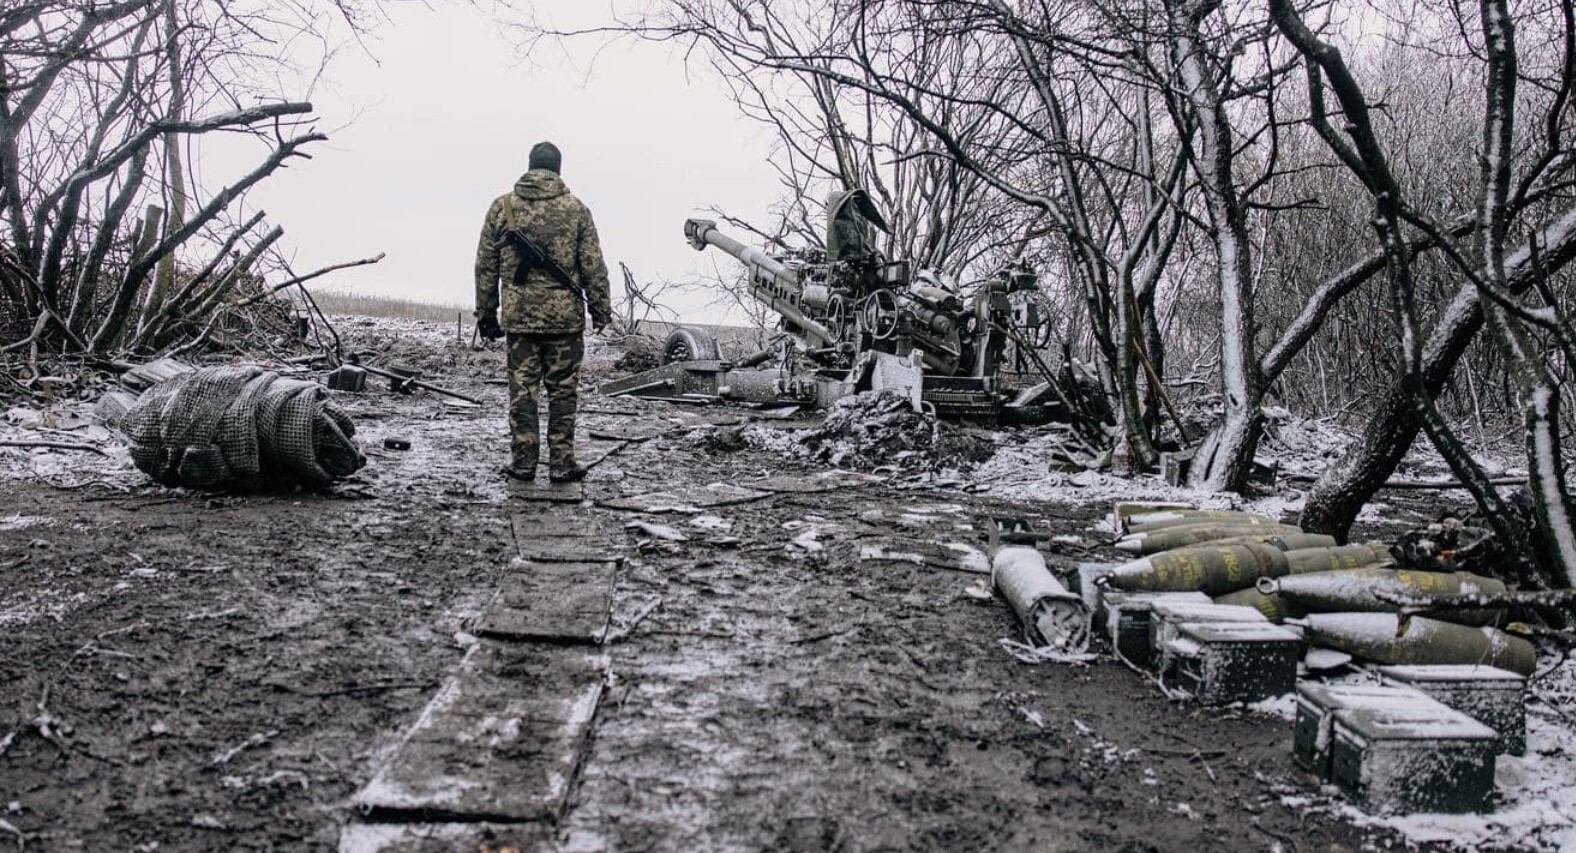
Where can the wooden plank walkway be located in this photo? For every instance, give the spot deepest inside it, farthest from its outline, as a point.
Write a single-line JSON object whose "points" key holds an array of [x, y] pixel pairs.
{"points": [[493, 756], [501, 741], [552, 602]]}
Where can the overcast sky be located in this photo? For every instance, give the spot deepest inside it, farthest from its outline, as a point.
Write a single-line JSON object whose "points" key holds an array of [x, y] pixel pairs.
{"points": [[442, 110]]}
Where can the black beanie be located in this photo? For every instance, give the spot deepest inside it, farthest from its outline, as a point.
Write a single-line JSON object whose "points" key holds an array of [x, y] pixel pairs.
{"points": [[545, 155]]}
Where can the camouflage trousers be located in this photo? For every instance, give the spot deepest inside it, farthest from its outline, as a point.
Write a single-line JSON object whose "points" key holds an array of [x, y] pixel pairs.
{"points": [[553, 362]]}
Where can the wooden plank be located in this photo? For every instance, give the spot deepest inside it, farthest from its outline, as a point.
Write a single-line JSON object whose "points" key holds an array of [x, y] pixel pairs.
{"points": [[544, 490], [557, 602], [575, 537], [688, 500], [499, 742]]}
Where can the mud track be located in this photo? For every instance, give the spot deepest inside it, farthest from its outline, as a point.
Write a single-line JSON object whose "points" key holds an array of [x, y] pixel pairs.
{"points": [[190, 672]]}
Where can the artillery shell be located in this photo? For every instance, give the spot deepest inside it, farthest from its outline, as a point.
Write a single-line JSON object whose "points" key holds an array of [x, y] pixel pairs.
{"points": [[1212, 570], [1274, 607], [1351, 591], [1287, 542], [1375, 636], [1338, 558], [1196, 534], [1150, 522], [1050, 615], [1123, 511]]}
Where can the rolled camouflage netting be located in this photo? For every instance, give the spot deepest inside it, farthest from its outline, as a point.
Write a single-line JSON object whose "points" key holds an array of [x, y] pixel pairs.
{"points": [[220, 427]]}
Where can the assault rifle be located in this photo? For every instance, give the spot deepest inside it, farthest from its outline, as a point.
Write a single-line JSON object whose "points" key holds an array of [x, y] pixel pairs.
{"points": [[534, 257]]}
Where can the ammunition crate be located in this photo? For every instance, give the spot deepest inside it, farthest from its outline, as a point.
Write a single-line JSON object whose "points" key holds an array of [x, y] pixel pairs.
{"points": [[1127, 620], [1218, 663], [1494, 697], [1426, 758], [1166, 615], [1317, 705]]}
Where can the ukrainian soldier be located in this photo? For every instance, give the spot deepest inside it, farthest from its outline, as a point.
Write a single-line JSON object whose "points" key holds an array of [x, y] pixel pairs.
{"points": [[539, 245]]}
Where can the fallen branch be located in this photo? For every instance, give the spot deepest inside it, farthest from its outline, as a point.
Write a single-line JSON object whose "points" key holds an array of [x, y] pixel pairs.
{"points": [[358, 688], [255, 740], [1422, 485], [20, 837], [303, 279], [53, 445]]}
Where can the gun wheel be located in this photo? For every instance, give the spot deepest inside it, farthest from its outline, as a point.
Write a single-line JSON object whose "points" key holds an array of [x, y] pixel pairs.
{"points": [[688, 343]]}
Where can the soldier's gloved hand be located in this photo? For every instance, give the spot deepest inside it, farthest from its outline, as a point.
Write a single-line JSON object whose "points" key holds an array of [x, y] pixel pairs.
{"points": [[487, 326]]}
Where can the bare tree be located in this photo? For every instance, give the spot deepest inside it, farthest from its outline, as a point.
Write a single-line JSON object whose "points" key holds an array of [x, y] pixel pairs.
{"points": [[1123, 132], [100, 106], [1358, 146]]}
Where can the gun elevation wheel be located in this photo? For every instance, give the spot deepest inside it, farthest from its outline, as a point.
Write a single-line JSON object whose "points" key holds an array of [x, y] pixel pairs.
{"points": [[688, 343]]}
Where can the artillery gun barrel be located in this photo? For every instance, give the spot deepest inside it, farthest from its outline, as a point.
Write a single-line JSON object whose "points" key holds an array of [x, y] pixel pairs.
{"points": [[771, 281]]}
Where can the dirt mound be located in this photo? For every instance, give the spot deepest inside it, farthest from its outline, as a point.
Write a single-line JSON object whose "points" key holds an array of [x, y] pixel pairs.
{"points": [[641, 352]]}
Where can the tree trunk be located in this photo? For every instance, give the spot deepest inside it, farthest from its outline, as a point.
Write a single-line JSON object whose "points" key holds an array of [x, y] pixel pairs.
{"points": [[1554, 547], [175, 173], [1344, 488], [1226, 457]]}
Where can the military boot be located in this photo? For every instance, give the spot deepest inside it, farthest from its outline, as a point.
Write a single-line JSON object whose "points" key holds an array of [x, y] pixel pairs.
{"points": [[523, 466], [561, 442], [520, 470], [572, 474]]}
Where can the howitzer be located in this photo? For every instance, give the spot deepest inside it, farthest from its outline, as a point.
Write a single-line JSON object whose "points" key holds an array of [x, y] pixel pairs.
{"points": [[856, 321]]}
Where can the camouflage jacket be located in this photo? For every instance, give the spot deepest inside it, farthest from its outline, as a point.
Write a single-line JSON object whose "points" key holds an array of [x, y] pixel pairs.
{"points": [[554, 219]]}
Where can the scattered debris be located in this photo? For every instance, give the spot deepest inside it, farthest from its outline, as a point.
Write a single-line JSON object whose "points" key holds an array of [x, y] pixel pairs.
{"points": [[688, 501], [656, 531], [880, 429], [953, 556]]}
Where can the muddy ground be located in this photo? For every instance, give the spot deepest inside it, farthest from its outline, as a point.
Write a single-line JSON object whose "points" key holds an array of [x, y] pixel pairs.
{"points": [[182, 671]]}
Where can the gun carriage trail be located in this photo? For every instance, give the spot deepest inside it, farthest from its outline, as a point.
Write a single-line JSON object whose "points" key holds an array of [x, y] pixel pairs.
{"points": [[702, 650]]}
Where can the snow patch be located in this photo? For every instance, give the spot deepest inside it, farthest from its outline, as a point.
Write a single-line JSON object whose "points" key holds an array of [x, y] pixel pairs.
{"points": [[19, 521]]}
